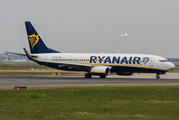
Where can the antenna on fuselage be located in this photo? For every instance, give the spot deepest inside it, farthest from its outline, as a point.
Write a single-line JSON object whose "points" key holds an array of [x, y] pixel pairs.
{"points": [[117, 51]]}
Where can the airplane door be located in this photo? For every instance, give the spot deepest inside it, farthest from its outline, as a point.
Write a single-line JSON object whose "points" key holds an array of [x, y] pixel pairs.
{"points": [[151, 62]]}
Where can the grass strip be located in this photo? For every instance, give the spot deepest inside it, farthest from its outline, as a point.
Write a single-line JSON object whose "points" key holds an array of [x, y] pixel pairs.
{"points": [[136, 102]]}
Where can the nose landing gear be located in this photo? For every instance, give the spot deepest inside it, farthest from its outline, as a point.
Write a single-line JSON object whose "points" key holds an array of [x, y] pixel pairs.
{"points": [[157, 77]]}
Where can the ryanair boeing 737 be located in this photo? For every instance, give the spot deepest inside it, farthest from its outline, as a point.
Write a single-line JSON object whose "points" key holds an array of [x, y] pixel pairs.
{"points": [[91, 63]]}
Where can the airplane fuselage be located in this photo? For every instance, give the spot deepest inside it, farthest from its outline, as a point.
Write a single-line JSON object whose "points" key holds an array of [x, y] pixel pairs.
{"points": [[141, 63]]}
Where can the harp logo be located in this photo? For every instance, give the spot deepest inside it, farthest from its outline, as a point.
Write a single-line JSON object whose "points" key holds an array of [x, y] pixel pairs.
{"points": [[33, 40], [145, 60]]}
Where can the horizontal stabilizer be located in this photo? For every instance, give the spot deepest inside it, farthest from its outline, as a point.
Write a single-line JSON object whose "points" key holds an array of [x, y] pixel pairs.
{"points": [[16, 53], [19, 54]]}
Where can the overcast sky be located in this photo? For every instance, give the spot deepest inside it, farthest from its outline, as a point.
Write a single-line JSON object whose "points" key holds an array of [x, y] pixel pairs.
{"points": [[93, 26]]}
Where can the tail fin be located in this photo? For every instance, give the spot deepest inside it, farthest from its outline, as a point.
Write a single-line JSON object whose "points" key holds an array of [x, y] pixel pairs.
{"points": [[35, 42]]}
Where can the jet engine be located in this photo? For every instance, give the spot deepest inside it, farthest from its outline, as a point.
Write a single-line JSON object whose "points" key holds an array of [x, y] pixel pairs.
{"points": [[102, 71]]}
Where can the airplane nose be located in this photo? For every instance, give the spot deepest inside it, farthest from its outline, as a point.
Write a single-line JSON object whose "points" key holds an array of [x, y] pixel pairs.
{"points": [[171, 66]]}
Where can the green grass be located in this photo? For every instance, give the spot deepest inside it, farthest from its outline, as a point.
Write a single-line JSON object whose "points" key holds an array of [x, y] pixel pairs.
{"points": [[122, 102], [176, 65], [21, 66]]}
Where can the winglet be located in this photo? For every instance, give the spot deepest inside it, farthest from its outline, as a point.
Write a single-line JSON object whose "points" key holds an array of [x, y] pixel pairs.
{"points": [[27, 54]]}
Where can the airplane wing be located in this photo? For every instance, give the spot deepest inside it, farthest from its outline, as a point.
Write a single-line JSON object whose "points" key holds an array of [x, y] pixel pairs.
{"points": [[71, 64], [74, 65]]}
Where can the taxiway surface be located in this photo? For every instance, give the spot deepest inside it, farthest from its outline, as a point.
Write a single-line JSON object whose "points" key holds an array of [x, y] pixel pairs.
{"points": [[11, 81]]}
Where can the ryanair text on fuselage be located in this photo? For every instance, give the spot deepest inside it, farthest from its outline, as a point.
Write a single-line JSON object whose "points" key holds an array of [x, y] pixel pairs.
{"points": [[118, 60]]}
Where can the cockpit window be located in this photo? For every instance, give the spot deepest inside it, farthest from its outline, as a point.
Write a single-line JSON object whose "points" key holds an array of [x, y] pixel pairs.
{"points": [[163, 60]]}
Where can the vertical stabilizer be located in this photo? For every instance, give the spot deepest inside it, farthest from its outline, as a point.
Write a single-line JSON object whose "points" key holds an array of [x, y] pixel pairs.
{"points": [[35, 42]]}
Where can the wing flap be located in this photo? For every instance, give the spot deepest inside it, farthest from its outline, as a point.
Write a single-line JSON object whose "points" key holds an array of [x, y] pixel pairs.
{"points": [[72, 65]]}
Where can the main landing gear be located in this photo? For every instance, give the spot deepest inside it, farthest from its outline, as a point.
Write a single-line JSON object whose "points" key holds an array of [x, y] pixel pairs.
{"points": [[102, 76], [88, 75]]}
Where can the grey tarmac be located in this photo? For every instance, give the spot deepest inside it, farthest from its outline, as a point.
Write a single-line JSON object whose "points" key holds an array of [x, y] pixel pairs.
{"points": [[29, 81]]}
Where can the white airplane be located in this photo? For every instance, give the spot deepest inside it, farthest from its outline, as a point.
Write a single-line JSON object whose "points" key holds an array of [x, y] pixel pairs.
{"points": [[92, 63], [124, 35]]}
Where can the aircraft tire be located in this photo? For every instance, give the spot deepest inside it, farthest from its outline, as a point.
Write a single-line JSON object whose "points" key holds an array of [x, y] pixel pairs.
{"points": [[157, 77], [102, 76], [87, 75]]}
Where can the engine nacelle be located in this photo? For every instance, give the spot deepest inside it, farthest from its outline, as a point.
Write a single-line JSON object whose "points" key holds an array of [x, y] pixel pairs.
{"points": [[100, 70], [124, 73]]}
